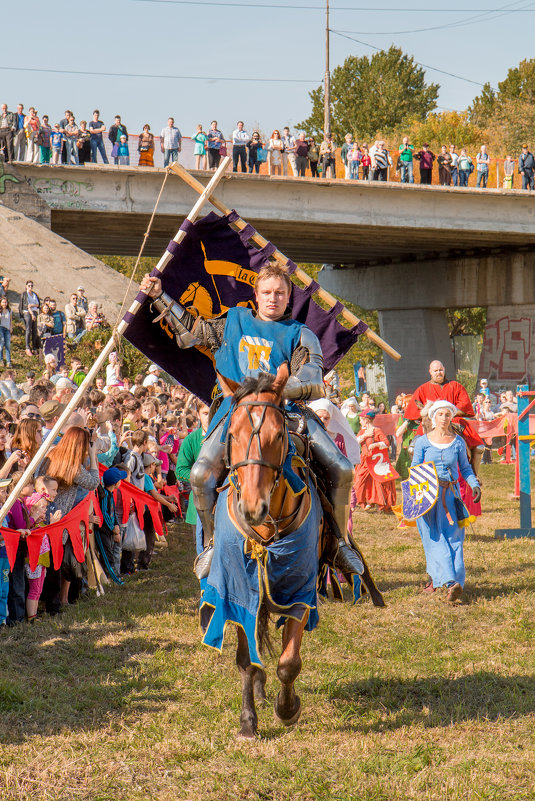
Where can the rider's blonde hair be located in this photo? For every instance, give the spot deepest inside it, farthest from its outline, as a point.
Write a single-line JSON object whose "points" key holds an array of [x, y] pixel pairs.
{"points": [[273, 270]]}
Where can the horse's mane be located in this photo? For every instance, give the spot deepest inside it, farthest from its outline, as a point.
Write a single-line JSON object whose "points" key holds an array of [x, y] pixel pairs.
{"points": [[263, 383]]}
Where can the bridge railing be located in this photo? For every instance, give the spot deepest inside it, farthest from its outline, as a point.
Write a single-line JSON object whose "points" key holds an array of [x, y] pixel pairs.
{"points": [[187, 159]]}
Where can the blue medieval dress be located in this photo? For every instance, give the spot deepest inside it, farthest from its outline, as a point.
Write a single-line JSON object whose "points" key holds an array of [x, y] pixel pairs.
{"points": [[283, 575], [441, 534]]}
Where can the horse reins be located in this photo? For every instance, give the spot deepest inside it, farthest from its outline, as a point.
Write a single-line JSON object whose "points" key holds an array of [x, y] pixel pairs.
{"points": [[255, 433], [287, 520]]}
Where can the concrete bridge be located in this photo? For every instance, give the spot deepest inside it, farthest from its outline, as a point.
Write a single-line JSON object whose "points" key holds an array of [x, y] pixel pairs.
{"points": [[105, 209], [408, 251]]}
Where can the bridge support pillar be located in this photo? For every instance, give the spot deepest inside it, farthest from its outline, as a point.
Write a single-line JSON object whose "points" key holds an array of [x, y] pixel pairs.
{"points": [[420, 335]]}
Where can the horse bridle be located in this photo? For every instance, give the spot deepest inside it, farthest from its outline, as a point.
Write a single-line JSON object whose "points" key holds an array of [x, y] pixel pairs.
{"points": [[255, 432]]}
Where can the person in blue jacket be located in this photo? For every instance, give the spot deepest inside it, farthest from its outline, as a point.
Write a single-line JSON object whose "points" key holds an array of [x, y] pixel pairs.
{"points": [[441, 534]]}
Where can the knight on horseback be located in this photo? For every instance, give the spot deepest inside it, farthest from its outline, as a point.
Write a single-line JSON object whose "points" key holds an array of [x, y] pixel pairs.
{"points": [[246, 343]]}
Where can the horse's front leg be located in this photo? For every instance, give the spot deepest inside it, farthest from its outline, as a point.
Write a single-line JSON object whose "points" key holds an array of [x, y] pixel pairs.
{"points": [[288, 703], [252, 682]]}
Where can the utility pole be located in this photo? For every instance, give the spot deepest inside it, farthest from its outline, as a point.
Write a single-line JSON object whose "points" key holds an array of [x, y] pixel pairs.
{"points": [[327, 92]]}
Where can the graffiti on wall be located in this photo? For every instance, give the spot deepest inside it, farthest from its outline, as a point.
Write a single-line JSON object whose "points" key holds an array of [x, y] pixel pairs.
{"points": [[62, 194], [506, 350], [55, 186], [5, 176]]}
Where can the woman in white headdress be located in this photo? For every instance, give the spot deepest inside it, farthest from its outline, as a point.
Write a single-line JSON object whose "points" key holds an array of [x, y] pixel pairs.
{"points": [[340, 431], [338, 428], [351, 411], [442, 535]]}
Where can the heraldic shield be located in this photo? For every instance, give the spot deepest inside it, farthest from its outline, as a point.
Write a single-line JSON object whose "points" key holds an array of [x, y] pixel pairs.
{"points": [[420, 490]]}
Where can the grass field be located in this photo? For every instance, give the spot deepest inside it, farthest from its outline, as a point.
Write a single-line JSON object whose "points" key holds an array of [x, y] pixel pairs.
{"points": [[117, 699]]}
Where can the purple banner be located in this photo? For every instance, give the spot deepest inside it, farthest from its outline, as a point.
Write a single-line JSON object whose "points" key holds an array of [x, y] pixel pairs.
{"points": [[56, 346], [213, 269]]}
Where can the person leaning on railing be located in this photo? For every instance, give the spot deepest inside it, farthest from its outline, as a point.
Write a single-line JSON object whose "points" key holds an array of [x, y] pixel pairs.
{"points": [[483, 162], [526, 167], [466, 167], [145, 147], [508, 172]]}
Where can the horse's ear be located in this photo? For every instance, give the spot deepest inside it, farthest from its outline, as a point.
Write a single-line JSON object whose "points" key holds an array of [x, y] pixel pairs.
{"points": [[228, 386], [283, 373]]}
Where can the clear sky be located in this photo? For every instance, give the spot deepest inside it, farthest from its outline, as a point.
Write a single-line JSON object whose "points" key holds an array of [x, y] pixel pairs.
{"points": [[198, 39]]}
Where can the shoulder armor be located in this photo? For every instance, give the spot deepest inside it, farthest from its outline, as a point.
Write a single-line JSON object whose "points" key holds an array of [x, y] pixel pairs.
{"points": [[307, 382]]}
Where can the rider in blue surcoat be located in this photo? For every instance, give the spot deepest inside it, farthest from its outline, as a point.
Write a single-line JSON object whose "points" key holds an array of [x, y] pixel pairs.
{"points": [[245, 343]]}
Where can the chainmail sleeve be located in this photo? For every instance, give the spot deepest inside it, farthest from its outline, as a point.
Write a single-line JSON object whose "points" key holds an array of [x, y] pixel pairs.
{"points": [[299, 358], [188, 329], [306, 369], [210, 332]]}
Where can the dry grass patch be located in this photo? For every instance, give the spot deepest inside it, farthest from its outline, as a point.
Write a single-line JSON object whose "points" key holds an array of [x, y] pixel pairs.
{"points": [[422, 700]]}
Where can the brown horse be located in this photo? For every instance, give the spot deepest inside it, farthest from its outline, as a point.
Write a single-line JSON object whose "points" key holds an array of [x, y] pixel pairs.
{"points": [[261, 506]]}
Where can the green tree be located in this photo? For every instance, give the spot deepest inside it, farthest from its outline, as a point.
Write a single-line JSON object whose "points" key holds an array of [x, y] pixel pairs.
{"points": [[508, 114], [444, 128], [467, 321], [483, 106], [125, 265], [372, 95]]}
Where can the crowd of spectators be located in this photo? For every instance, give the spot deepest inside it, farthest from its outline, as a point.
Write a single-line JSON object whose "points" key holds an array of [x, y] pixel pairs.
{"points": [[27, 137], [134, 431], [42, 320], [123, 430]]}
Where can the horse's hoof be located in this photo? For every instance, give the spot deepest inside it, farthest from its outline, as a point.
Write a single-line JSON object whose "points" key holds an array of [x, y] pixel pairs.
{"points": [[293, 717], [377, 598], [248, 727], [246, 734]]}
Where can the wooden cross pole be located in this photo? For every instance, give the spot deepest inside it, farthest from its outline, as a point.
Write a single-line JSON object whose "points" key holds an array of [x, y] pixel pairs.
{"points": [[281, 259], [205, 196]]}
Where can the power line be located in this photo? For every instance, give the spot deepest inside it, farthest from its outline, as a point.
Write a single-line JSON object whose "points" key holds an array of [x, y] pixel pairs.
{"points": [[426, 66], [478, 18], [160, 77], [228, 4]]}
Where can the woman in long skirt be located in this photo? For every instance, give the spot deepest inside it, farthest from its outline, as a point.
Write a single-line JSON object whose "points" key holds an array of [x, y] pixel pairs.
{"points": [[368, 489], [442, 535], [145, 147]]}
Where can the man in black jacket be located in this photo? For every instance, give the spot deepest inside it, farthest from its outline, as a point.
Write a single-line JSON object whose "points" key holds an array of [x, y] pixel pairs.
{"points": [[8, 125], [114, 135], [526, 167]]}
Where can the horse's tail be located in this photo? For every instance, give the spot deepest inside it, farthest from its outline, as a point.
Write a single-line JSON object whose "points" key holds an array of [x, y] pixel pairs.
{"points": [[265, 642]]}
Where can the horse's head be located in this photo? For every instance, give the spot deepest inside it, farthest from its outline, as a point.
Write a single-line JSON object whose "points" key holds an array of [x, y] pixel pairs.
{"points": [[257, 441]]}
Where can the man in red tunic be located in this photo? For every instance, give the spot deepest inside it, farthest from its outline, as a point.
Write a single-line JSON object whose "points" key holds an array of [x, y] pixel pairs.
{"points": [[439, 388]]}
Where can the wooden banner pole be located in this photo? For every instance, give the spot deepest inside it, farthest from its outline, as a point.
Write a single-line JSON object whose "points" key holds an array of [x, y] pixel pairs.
{"points": [[259, 240], [205, 196]]}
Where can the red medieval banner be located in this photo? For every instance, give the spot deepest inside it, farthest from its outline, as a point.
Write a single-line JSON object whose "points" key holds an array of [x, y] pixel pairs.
{"points": [[79, 514]]}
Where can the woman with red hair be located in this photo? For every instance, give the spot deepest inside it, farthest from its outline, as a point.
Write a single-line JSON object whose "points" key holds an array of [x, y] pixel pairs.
{"points": [[27, 439], [65, 463]]}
